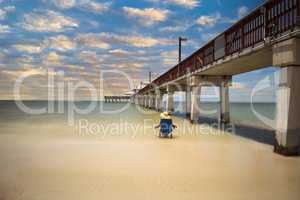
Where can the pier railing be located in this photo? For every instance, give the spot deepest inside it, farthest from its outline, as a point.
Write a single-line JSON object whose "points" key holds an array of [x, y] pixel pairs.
{"points": [[273, 18]]}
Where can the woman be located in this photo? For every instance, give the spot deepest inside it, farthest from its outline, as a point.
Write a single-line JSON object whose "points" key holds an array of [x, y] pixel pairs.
{"points": [[166, 125]]}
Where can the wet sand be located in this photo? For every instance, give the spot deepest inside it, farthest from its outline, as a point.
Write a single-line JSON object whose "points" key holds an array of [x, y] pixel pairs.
{"points": [[48, 163]]}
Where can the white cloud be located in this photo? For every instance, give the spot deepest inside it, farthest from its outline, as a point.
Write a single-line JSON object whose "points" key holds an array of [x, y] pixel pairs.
{"points": [[88, 5], [119, 52], [95, 6], [185, 3], [26, 72], [64, 4], [48, 21], [134, 40], [169, 57], [92, 40], [29, 48], [122, 52], [4, 29], [61, 43], [209, 20], [238, 85], [90, 57], [147, 16], [52, 58], [130, 65], [5, 10], [103, 40], [176, 28], [242, 11]]}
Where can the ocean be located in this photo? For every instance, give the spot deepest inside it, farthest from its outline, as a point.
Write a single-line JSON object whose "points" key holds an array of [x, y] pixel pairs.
{"points": [[260, 115]]}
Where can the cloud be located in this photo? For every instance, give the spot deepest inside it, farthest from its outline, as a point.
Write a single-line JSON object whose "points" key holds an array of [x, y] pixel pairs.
{"points": [[177, 28], [5, 10], [4, 29], [64, 4], [185, 3], [169, 57], [95, 6], [25, 72], [29, 48], [48, 21], [104, 40], [128, 65], [90, 57], [134, 40], [52, 58], [119, 52], [92, 40], [242, 11], [208, 20], [238, 85], [122, 52], [61, 43], [87, 5], [147, 16]]}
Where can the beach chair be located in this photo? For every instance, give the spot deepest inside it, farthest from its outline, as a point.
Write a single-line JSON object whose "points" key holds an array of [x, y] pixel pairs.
{"points": [[166, 128]]}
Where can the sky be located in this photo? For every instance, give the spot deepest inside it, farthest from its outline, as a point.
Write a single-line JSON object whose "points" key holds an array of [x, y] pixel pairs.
{"points": [[75, 40]]}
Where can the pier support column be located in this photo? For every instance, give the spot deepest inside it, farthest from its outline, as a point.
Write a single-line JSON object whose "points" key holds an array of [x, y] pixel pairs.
{"points": [[153, 102], [224, 104], [286, 55], [149, 101], [188, 101], [194, 84], [145, 101], [170, 99], [288, 112], [195, 104], [158, 103]]}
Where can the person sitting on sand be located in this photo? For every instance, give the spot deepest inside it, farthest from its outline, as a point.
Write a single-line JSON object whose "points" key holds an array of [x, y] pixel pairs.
{"points": [[166, 125]]}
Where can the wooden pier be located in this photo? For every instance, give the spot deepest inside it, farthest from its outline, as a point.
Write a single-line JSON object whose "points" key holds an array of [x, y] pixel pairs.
{"points": [[117, 99]]}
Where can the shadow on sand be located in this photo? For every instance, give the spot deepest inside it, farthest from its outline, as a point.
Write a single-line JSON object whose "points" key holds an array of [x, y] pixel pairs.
{"points": [[261, 135]]}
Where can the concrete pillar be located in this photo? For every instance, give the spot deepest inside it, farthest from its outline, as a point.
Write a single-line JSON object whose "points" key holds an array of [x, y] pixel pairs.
{"points": [[188, 101], [158, 103], [145, 101], [195, 103], [149, 101], [194, 83], [224, 104], [153, 101], [288, 112], [286, 55], [170, 99]]}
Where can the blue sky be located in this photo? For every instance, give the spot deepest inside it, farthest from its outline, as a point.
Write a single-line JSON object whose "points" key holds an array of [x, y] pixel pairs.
{"points": [[84, 37]]}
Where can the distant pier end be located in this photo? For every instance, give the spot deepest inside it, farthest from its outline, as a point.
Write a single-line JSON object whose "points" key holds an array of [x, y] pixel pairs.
{"points": [[117, 99]]}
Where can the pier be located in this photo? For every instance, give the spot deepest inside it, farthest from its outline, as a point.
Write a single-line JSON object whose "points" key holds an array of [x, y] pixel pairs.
{"points": [[268, 36], [117, 99]]}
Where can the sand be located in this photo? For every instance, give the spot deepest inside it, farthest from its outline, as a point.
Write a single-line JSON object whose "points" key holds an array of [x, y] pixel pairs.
{"points": [[43, 162]]}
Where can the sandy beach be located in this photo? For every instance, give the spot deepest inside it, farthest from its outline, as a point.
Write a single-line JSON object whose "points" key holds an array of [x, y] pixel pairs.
{"points": [[47, 161]]}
